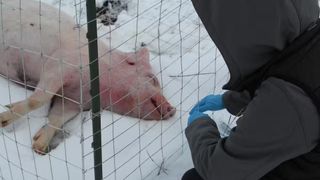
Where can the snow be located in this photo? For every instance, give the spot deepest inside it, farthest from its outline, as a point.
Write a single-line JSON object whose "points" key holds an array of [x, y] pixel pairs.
{"points": [[132, 149]]}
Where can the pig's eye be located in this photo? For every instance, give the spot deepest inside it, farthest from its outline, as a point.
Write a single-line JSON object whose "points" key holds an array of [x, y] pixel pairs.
{"points": [[132, 63]]}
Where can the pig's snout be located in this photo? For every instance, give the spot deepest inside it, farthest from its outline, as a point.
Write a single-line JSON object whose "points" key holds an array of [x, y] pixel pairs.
{"points": [[170, 111], [163, 108]]}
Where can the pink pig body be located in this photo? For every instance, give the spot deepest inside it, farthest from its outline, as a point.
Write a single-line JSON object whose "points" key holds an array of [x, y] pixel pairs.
{"points": [[49, 56]]}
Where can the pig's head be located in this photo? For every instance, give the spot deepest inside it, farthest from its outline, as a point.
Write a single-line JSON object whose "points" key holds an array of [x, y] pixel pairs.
{"points": [[137, 91]]}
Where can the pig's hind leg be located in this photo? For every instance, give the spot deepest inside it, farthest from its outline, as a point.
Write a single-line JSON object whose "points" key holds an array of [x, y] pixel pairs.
{"points": [[59, 114], [43, 94]]}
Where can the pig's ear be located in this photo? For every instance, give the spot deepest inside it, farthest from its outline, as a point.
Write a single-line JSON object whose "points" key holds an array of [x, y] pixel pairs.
{"points": [[143, 54]]}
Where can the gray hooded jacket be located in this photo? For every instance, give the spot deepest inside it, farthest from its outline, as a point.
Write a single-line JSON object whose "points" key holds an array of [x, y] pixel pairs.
{"points": [[280, 122]]}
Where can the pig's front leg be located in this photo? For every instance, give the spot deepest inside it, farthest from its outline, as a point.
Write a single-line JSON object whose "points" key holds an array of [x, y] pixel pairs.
{"points": [[47, 87], [21, 108], [60, 113]]}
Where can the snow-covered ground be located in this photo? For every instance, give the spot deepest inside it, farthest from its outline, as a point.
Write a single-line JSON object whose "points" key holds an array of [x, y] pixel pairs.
{"points": [[132, 149]]}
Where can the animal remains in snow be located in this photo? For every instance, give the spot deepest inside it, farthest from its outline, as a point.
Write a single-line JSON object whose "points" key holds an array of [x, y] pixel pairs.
{"points": [[110, 9], [43, 53]]}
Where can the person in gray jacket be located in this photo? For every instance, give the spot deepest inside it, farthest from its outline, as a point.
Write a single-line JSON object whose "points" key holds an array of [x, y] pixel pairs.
{"points": [[278, 131]]}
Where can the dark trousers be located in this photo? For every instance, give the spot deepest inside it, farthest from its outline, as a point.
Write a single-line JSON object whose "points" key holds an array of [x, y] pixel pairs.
{"points": [[192, 174]]}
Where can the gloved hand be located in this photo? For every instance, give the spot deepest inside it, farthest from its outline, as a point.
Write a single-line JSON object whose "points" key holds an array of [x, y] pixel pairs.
{"points": [[209, 103], [196, 115]]}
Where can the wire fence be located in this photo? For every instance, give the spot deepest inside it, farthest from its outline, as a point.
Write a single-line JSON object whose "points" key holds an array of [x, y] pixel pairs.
{"points": [[153, 56]]}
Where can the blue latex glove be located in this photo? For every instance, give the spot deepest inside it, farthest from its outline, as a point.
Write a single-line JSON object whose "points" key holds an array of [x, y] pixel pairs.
{"points": [[196, 115], [209, 103]]}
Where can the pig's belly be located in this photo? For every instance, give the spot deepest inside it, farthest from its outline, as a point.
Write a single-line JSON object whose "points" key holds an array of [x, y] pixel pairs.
{"points": [[20, 68]]}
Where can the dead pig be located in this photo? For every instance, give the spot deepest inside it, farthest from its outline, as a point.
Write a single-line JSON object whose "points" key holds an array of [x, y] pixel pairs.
{"points": [[51, 61]]}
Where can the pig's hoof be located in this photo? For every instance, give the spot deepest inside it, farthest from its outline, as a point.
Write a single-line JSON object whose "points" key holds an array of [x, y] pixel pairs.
{"points": [[41, 143], [9, 106], [6, 118], [40, 148]]}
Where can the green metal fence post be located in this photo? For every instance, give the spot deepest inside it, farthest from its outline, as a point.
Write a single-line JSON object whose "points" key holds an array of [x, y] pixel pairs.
{"points": [[95, 90]]}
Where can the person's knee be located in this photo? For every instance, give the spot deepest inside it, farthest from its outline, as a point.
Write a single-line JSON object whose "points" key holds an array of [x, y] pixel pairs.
{"points": [[192, 174]]}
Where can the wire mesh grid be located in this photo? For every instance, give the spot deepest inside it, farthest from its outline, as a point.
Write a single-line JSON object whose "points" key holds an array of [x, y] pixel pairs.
{"points": [[183, 59]]}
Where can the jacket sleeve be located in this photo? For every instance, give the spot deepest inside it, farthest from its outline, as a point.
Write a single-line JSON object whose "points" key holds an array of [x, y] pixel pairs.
{"points": [[280, 123], [236, 102]]}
